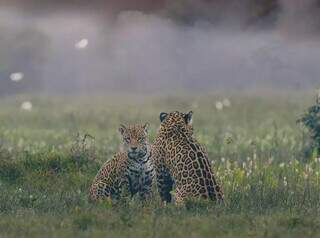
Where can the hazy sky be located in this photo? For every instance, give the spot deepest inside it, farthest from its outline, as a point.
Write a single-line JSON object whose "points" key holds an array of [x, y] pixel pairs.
{"points": [[70, 50]]}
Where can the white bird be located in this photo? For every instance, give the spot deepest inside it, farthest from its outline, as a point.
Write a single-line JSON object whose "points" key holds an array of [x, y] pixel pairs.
{"points": [[26, 106], [16, 76], [82, 44]]}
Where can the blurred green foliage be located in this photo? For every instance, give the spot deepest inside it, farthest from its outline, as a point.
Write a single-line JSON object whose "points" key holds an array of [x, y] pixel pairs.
{"points": [[311, 120]]}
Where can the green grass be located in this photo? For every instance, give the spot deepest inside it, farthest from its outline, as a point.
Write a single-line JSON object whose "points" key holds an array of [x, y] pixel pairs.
{"points": [[261, 156]]}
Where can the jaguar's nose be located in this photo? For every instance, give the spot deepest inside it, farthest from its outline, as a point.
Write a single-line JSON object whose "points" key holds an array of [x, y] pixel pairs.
{"points": [[134, 148]]}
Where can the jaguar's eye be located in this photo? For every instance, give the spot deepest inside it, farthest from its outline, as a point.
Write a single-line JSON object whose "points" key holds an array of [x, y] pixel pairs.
{"points": [[127, 139], [141, 140]]}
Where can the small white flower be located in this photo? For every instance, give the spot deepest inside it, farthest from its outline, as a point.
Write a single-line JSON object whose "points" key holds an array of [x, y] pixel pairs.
{"points": [[219, 105], [255, 156], [27, 106], [16, 76], [285, 182], [20, 189], [223, 159], [249, 173], [31, 196], [309, 169], [82, 44], [281, 165]]}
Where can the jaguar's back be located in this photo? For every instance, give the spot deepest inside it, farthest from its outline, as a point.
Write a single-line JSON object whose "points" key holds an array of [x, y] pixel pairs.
{"points": [[180, 159]]}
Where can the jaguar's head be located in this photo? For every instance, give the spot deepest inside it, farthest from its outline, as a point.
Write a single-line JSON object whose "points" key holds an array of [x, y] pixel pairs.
{"points": [[177, 120], [135, 140]]}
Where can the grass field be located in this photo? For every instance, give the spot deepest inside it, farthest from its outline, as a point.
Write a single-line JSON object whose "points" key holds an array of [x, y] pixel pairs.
{"points": [[259, 153]]}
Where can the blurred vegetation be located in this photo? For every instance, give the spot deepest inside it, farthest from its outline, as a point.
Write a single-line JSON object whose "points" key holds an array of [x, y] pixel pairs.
{"points": [[311, 120], [186, 11], [48, 160], [248, 12]]}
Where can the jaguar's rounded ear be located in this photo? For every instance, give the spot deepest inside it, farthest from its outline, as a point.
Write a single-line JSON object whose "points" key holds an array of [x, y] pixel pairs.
{"points": [[145, 127], [163, 116], [188, 118], [122, 129]]}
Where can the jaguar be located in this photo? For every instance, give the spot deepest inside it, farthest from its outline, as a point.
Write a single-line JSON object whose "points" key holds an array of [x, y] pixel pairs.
{"points": [[180, 161], [130, 171]]}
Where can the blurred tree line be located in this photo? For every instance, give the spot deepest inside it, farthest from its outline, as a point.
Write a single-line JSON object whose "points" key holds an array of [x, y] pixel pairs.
{"points": [[26, 49], [186, 11], [246, 11], [183, 10]]}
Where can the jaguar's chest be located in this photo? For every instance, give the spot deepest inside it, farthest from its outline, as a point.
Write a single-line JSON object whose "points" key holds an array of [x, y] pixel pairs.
{"points": [[139, 175]]}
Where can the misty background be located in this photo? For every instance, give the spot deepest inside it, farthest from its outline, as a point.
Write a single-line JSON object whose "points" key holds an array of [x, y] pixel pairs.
{"points": [[72, 46]]}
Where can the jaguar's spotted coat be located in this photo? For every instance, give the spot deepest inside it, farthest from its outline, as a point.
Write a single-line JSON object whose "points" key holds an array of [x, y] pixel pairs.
{"points": [[181, 161], [130, 171]]}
